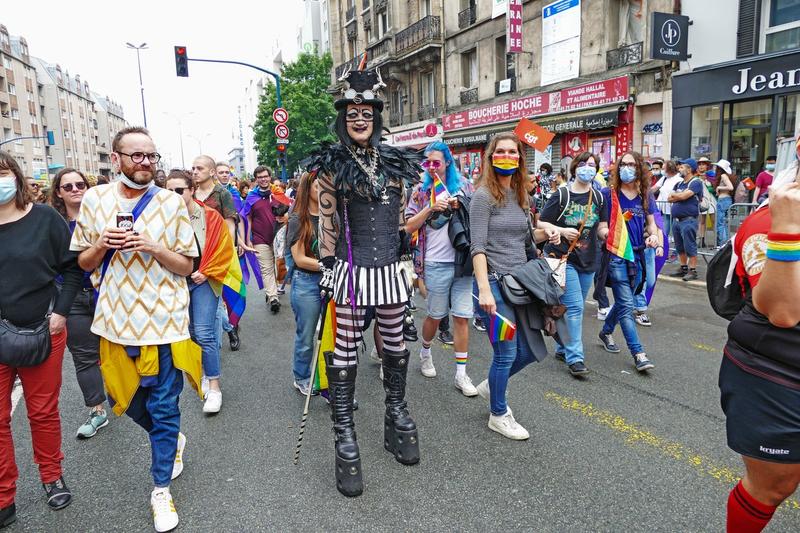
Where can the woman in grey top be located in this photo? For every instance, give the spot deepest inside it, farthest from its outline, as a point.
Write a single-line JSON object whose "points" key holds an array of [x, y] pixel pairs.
{"points": [[499, 225]]}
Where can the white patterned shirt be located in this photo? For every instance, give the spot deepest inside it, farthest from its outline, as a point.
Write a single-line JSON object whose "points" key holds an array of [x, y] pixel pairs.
{"points": [[140, 302]]}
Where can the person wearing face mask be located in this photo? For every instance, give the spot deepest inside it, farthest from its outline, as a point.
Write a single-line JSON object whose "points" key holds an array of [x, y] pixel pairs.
{"points": [[577, 210], [69, 187], [629, 203], [35, 244], [685, 209], [362, 199], [764, 180]]}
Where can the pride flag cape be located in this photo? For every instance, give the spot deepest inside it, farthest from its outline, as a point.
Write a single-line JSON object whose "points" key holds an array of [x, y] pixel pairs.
{"points": [[326, 345], [438, 190], [618, 242], [660, 261], [220, 263]]}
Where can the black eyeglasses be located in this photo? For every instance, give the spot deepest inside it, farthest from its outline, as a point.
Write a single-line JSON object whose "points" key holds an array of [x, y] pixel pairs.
{"points": [[178, 190], [80, 186], [138, 157]]}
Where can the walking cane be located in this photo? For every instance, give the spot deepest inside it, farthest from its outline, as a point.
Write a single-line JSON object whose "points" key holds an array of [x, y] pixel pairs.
{"points": [[314, 360]]}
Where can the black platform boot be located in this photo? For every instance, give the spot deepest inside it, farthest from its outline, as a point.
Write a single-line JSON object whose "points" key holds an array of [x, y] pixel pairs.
{"points": [[341, 387], [399, 430]]}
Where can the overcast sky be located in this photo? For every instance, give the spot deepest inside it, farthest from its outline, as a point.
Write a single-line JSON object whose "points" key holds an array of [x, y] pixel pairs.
{"points": [[88, 37]]}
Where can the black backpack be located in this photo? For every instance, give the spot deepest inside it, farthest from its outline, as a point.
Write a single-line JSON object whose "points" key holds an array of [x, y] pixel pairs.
{"points": [[725, 301]]}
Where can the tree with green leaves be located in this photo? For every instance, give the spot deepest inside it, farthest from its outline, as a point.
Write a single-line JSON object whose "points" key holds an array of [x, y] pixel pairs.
{"points": [[304, 90]]}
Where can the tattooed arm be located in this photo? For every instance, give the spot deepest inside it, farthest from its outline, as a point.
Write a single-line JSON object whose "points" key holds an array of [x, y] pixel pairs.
{"points": [[328, 229]]}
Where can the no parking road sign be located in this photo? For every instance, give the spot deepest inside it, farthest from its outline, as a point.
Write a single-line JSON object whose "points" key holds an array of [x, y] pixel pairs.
{"points": [[282, 131], [280, 115]]}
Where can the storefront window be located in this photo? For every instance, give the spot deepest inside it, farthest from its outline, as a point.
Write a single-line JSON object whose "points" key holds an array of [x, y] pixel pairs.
{"points": [[705, 131], [788, 110], [751, 138]]}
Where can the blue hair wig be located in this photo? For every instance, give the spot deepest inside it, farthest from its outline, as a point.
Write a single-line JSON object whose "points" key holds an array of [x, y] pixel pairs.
{"points": [[452, 179]]}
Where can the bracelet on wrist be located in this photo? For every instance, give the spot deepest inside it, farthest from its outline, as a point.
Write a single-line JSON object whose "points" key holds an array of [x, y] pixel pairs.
{"points": [[787, 251]]}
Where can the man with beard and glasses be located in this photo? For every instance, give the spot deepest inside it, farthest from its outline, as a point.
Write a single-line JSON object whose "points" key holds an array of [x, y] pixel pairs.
{"points": [[138, 242]]}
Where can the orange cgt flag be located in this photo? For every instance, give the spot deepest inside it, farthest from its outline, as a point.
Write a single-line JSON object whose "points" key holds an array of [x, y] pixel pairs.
{"points": [[533, 134]]}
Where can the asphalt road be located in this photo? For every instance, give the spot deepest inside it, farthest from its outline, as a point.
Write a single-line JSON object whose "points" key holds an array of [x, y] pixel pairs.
{"points": [[618, 451]]}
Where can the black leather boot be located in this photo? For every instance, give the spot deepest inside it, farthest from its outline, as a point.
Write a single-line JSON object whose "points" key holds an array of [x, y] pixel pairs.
{"points": [[409, 329], [341, 388], [399, 429], [233, 337]]}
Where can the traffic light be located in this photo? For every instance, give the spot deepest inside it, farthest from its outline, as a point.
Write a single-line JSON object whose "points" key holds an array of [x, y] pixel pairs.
{"points": [[281, 148], [181, 62]]}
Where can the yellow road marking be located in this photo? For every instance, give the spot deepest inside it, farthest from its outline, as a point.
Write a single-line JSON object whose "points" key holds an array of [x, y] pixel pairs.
{"points": [[634, 434], [706, 348]]}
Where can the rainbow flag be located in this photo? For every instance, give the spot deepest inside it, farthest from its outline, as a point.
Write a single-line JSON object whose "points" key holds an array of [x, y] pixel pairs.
{"points": [[326, 345], [618, 242], [220, 264], [501, 329], [437, 189]]}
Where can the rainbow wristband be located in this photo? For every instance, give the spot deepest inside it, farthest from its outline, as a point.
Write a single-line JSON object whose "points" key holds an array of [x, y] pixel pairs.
{"points": [[787, 251]]}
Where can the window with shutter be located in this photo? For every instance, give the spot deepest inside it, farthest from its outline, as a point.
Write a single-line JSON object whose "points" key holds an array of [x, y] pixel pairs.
{"points": [[747, 35]]}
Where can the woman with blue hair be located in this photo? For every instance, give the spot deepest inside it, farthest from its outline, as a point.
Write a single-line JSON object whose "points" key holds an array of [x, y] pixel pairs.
{"points": [[432, 205]]}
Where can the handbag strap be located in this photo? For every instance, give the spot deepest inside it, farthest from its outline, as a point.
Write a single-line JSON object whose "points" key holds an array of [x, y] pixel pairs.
{"points": [[574, 242]]}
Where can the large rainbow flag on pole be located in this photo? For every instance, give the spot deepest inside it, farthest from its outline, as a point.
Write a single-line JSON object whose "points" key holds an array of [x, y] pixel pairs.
{"points": [[618, 242], [220, 264]]}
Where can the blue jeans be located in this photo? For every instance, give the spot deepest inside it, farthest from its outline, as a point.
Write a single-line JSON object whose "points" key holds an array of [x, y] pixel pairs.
{"points": [[723, 204], [575, 292], [306, 305], [509, 356], [203, 317], [622, 311], [290, 267], [156, 410], [684, 231], [640, 300]]}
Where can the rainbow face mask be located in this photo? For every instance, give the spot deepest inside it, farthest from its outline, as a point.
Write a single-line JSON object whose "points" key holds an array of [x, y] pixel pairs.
{"points": [[505, 165]]}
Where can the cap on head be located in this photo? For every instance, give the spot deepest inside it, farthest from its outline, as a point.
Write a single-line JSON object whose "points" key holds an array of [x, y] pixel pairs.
{"points": [[691, 162]]}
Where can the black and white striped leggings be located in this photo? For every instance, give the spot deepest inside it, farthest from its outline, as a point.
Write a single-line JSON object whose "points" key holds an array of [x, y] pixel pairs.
{"points": [[349, 325]]}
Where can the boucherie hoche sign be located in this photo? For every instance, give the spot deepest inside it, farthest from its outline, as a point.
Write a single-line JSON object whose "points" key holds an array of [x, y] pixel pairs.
{"points": [[597, 94]]}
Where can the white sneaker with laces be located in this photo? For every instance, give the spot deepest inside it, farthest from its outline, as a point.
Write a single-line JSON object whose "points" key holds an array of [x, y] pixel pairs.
{"points": [[213, 402], [464, 384], [483, 389], [507, 426], [427, 368], [177, 466], [165, 517], [602, 312]]}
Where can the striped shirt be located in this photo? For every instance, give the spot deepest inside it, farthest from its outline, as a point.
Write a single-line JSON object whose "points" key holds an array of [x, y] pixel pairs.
{"points": [[498, 231]]}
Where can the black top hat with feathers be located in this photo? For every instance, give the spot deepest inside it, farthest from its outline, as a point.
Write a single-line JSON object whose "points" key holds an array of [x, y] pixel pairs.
{"points": [[361, 87]]}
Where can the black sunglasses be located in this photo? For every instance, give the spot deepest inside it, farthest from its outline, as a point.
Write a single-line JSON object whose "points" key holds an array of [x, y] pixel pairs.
{"points": [[80, 186], [178, 190]]}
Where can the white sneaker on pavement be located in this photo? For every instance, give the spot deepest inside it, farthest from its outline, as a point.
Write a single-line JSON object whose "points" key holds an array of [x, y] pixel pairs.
{"points": [[213, 402], [427, 368], [177, 466], [507, 426], [602, 312], [464, 384], [483, 389], [165, 517]]}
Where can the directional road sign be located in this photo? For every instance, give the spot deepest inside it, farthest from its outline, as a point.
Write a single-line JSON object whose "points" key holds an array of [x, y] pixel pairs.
{"points": [[280, 115], [282, 131]]}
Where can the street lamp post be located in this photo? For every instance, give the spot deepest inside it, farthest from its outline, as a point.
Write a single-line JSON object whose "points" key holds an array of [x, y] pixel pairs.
{"points": [[200, 140], [180, 132], [142, 46]]}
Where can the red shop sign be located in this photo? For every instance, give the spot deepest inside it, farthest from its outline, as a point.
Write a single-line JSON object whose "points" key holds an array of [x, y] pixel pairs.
{"points": [[595, 94]]}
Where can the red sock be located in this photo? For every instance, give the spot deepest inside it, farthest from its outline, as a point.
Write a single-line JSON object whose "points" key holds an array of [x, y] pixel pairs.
{"points": [[745, 513]]}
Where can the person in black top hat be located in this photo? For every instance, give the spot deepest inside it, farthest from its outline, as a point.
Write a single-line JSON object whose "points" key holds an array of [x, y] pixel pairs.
{"points": [[362, 198]]}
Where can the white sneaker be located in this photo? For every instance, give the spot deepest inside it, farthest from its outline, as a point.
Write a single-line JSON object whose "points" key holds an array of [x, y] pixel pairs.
{"points": [[165, 517], [483, 389], [177, 466], [464, 384], [213, 402], [602, 312], [507, 426], [204, 386], [427, 368]]}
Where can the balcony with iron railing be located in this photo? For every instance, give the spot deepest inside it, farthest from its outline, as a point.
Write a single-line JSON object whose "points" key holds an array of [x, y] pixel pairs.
{"points": [[469, 96], [426, 112], [421, 33], [624, 56], [380, 52], [467, 17]]}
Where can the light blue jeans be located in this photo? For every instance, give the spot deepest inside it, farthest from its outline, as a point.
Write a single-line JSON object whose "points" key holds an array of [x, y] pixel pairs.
{"points": [[575, 292], [622, 311], [509, 356], [723, 204], [306, 305], [640, 300], [203, 317]]}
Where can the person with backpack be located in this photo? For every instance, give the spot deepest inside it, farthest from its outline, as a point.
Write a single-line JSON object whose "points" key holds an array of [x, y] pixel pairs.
{"points": [[429, 212], [759, 377], [577, 210], [685, 210], [631, 229]]}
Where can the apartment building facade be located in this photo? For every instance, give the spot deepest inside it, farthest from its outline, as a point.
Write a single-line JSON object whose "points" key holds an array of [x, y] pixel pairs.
{"points": [[110, 118]]}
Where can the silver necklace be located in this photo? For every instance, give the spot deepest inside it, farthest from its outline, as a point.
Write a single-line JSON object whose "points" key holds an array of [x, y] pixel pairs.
{"points": [[372, 170]]}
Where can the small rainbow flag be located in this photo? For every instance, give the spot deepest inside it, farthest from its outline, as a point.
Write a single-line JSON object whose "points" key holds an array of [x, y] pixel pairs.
{"points": [[437, 189], [499, 328], [618, 242]]}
